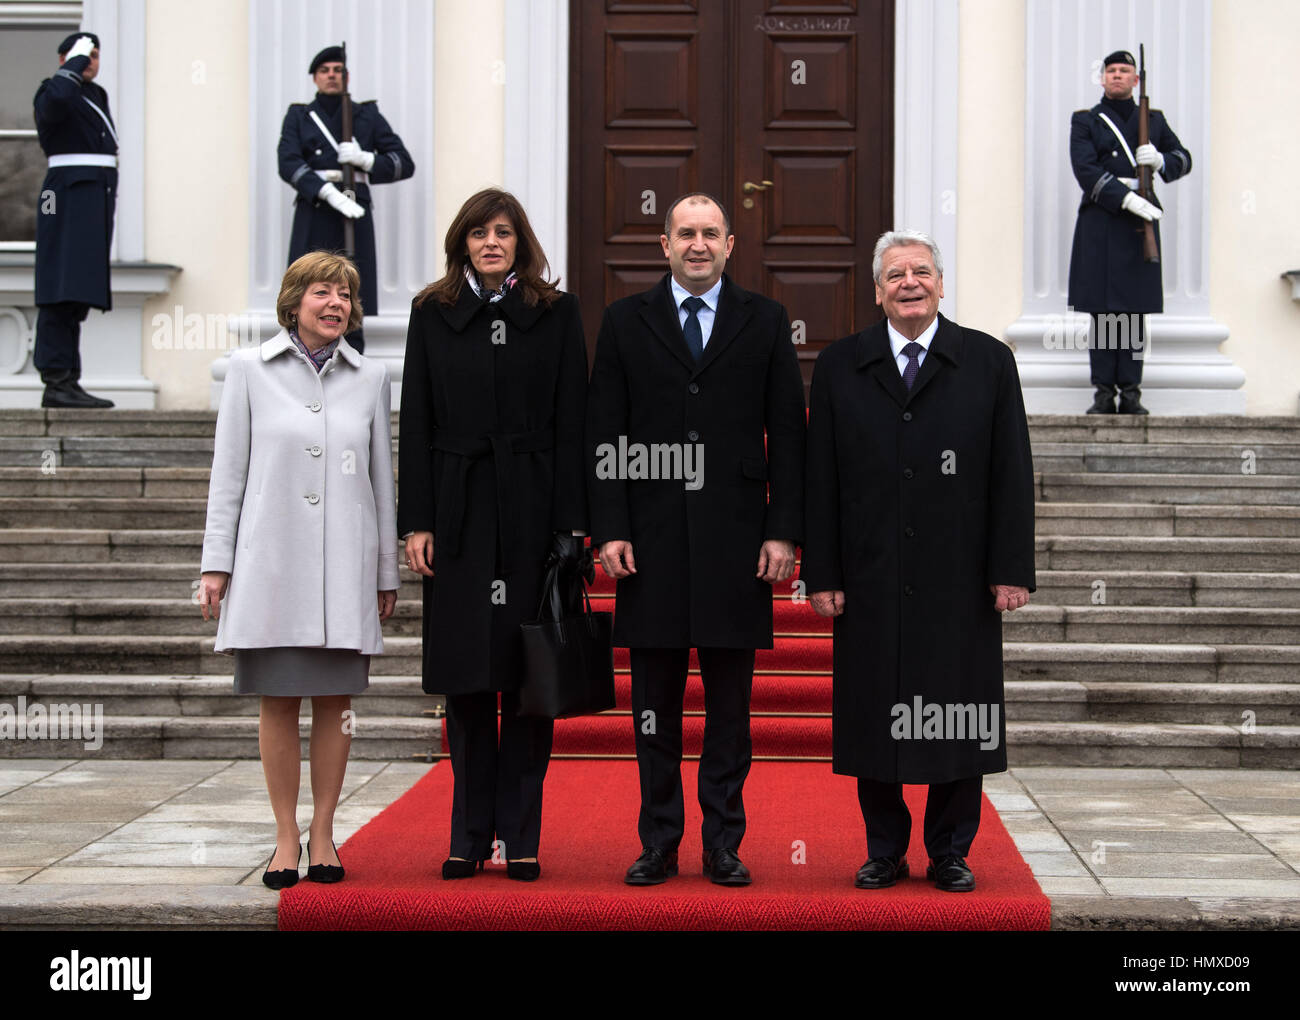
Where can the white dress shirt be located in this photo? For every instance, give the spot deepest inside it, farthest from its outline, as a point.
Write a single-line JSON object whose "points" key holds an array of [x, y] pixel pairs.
{"points": [[706, 315], [897, 342]]}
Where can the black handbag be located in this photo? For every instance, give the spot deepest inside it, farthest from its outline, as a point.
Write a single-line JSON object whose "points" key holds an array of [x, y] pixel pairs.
{"points": [[568, 651]]}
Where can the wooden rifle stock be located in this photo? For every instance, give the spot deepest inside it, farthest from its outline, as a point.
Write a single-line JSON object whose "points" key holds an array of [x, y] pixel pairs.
{"points": [[1150, 250], [349, 172]]}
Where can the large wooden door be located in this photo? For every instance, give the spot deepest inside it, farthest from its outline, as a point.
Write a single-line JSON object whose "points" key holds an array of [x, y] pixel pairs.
{"points": [[784, 111]]}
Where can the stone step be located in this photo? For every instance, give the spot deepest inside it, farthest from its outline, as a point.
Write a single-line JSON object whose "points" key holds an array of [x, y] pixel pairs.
{"points": [[1230, 430], [1192, 490], [1152, 745], [1240, 705], [1133, 519], [100, 483], [1091, 552], [1169, 458], [376, 738], [81, 545], [81, 513]]}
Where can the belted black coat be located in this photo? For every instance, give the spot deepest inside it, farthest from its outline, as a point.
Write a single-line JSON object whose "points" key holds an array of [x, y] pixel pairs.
{"points": [[74, 220], [1107, 271], [697, 550], [490, 461], [917, 502], [303, 149]]}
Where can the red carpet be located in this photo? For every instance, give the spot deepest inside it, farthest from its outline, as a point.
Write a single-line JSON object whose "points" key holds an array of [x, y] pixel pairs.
{"points": [[589, 837]]}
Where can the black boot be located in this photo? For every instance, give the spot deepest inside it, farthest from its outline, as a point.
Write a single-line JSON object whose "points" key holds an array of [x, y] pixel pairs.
{"points": [[1129, 402], [63, 390], [1104, 402]]}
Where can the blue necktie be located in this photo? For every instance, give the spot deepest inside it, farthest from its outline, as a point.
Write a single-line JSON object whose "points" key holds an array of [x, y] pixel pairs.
{"points": [[691, 328], [913, 351]]}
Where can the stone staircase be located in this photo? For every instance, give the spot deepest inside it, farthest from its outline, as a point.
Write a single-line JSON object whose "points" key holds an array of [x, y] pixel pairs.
{"points": [[1165, 630]]}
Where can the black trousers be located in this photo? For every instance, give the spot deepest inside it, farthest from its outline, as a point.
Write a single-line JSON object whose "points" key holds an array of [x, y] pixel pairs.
{"points": [[659, 686], [497, 790], [1116, 347], [58, 339], [952, 817]]}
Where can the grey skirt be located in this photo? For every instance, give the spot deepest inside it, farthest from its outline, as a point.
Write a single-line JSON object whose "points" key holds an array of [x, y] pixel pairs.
{"points": [[300, 672]]}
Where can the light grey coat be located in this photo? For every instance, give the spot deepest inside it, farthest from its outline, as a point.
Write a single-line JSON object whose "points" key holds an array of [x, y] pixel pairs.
{"points": [[301, 502]]}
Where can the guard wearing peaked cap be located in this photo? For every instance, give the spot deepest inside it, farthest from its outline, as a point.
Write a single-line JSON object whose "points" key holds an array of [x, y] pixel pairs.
{"points": [[311, 159], [1109, 278], [74, 222]]}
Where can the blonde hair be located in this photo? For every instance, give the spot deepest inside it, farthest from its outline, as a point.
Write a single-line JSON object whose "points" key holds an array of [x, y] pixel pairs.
{"points": [[318, 267]]}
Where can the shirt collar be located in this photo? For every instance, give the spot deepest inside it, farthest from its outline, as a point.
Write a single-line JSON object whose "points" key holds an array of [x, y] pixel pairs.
{"points": [[897, 341], [709, 297]]}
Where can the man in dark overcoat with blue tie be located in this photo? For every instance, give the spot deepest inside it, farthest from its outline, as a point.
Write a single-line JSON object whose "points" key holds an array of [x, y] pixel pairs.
{"points": [[920, 534], [695, 517]]}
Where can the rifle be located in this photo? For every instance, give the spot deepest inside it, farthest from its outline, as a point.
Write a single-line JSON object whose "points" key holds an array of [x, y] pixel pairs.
{"points": [[1150, 252], [349, 172]]}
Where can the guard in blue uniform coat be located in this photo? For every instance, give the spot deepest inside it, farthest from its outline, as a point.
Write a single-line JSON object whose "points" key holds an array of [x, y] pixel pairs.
{"points": [[1109, 279], [311, 161], [74, 222]]}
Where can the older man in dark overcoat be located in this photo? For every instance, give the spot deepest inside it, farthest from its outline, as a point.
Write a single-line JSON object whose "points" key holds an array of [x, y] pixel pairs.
{"points": [[695, 516], [920, 533]]}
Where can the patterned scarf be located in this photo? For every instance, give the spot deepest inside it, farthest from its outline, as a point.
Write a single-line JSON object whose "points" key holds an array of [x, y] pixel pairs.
{"points": [[493, 296], [317, 358]]}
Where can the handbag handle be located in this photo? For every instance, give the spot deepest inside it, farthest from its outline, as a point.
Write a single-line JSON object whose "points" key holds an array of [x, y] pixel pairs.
{"points": [[554, 598]]}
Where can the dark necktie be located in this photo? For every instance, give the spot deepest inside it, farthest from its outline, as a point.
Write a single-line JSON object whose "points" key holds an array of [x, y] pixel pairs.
{"points": [[913, 351], [691, 328]]}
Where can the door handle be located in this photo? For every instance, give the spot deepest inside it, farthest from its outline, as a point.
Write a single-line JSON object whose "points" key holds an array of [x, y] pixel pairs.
{"points": [[749, 187]]}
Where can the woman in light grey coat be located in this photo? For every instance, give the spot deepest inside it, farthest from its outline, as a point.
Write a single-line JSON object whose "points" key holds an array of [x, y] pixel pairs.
{"points": [[301, 541]]}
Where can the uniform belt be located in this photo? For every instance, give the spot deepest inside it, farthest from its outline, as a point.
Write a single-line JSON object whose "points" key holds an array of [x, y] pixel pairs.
{"points": [[336, 176], [501, 448], [1130, 182], [82, 159]]}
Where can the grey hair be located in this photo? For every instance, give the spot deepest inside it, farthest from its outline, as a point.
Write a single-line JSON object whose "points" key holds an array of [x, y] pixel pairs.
{"points": [[898, 239]]}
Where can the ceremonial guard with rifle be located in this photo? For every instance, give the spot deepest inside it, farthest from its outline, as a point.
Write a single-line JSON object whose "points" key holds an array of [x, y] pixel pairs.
{"points": [[1115, 260], [330, 151], [74, 221]]}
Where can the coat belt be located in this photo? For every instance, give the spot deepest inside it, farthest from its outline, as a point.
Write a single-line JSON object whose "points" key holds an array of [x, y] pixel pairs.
{"points": [[501, 448]]}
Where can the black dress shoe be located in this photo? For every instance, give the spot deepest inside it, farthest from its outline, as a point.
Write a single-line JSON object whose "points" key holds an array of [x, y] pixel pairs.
{"points": [[523, 871], [881, 872], [1104, 402], [64, 391], [1130, 401], [951, 874], [653, 867], [452, 868], [327, 873], [283, 878], [723, 867]]}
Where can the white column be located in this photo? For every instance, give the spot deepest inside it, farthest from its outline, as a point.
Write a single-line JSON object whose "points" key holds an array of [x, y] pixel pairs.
{"points": [[390, 57], [1065, 42], [925, 129], [537, 121]]}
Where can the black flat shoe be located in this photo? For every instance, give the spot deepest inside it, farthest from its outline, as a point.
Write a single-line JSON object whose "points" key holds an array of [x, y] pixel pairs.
{"points": [[523, 871], [951, 874], [452, 868], [326, 873], [723, 867], [881, 872], [283, 878], [653, 867]]}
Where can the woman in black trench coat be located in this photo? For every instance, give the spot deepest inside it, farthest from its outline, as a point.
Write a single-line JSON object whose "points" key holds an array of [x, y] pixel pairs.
{"points": [[491, 483]]}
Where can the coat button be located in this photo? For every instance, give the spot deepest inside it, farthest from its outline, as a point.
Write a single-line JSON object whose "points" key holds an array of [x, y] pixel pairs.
{"points": [[907, 416], [312, 498], [692, 435], [314, 405], [693, 388], [909, 532], [907, 472], [907, 589], [314, 451]]}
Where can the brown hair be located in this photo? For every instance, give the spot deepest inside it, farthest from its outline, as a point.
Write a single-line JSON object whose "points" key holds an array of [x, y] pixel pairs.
{"points": [[317, 267], [530, 268]]}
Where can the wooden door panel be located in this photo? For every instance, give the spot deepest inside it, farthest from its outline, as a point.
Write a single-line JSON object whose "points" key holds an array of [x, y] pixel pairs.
{"points": [[825, 99], [812, 200], [634, 176], [824, 292], [651, 81]]}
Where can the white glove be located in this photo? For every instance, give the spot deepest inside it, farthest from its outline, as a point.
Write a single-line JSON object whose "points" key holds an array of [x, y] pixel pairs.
{"points": [[351, 152], [1149, 155], [340, 201], [1135, 204], [83, 47]]}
